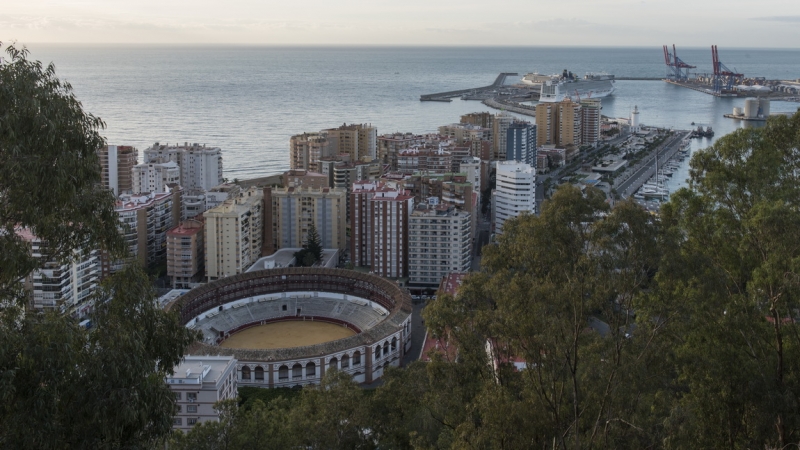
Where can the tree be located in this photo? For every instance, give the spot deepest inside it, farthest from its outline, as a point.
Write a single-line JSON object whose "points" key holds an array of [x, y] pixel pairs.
{"points": [[49, 171], [311, 253], [558, 292], [60, 385], [731, 282], [314, 243]]}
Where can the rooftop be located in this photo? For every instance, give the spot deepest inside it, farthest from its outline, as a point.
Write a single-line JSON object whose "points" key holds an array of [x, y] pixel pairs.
{"points": [[200, 369]]}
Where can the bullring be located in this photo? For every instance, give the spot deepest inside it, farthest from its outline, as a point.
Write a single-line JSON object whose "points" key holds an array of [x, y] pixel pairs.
{"points": [[377, 310]]}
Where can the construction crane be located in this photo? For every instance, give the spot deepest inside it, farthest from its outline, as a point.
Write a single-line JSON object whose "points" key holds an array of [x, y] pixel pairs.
{"points": [[723, 77], [676, 69]]}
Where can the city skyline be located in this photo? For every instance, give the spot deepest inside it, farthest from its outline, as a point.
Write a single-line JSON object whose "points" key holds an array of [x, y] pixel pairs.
{"points": [[413, 23]]}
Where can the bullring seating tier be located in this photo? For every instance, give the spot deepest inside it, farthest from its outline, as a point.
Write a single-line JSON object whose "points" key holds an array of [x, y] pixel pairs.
{"points": [[362, 316]]}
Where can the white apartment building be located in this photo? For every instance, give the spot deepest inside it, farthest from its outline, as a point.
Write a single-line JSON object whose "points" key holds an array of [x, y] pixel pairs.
{"points": [[439, 242], [515, 192], [198, 382], [66, 286], [155, 177], [233, 234], [471, 166], [200, 166]]}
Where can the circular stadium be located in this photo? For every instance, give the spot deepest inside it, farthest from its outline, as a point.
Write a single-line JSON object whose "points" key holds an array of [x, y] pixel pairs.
{"points": [[287, 326]]}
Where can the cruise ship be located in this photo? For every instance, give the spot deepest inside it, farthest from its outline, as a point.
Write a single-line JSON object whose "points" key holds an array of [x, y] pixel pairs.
{"points": [[556, 88]]}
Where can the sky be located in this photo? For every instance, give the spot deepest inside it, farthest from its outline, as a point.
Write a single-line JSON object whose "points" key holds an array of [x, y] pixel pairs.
{"points": [[729, 23]]}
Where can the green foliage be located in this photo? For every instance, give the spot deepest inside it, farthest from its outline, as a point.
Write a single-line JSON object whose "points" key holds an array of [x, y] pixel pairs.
{"points": [[311, 253], [49, 170], [732, 282], [62, 386], [248, 395]]}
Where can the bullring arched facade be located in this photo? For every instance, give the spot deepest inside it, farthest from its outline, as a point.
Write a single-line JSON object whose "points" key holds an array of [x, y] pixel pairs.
{"points": [[378, 311]]}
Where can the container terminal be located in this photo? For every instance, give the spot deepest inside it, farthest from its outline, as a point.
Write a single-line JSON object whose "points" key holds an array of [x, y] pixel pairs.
{"points": [[724, 82]]}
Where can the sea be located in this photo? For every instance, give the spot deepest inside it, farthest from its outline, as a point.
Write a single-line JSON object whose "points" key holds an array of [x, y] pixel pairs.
{"points": [[249, 100]]}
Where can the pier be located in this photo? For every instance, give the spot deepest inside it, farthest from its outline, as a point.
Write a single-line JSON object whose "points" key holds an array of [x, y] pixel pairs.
{"points": [[510, 106], [447, 96]]}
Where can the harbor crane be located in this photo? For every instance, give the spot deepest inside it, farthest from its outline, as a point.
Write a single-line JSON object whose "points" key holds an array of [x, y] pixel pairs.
{"points": [[723, 77], [676, 69]]}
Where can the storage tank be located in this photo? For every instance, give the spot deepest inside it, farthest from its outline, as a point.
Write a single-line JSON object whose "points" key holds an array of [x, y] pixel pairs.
{"points": [[763, 103], [737, 111], [750, 107]]}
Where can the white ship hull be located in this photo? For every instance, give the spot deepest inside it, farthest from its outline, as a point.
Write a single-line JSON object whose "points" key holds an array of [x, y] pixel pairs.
{"points": [[576, 90]]}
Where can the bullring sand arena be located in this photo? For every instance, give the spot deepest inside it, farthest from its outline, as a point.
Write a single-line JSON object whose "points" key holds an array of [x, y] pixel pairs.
{"points": [[286, 335]]}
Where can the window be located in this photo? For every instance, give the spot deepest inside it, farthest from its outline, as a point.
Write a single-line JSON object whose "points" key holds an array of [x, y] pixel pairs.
{"points": [[334, 364], [311, 369], [245, 373], [284, 307], [179, 409], [297, 371], [191, 409], [377, 352], [283, 373], [177, 396], [345, 361], [191, 421], [191, 396], [259, 372], [394, 343], [356, 358], [177, 421]]}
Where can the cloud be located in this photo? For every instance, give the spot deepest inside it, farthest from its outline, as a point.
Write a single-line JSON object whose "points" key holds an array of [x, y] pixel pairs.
{"points": [[778, 18]]}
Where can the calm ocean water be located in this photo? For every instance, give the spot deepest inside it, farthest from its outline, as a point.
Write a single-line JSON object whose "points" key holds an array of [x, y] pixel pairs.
{"points": [[250, 100]]}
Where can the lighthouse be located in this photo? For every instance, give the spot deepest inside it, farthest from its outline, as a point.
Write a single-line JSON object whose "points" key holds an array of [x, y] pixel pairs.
{"points": [[635, 120]]}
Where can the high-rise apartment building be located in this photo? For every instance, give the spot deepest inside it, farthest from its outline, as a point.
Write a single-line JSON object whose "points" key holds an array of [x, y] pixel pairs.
{"points": [[590, 121], [461, 132], [201, 166], [233, 235], [379, 228], [155, 177], [116, 162], [291, 212], [521, 142], [390, 145], [500, 125], [558, 124], [480, 119], [357, 140], [515, 192], [306, 149], [65, 286], [439, 242], [144, 222], [471, 167], [185, 253]]}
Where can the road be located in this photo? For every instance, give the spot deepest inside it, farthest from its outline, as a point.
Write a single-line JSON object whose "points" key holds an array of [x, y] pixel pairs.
{"points": [[635, 177]]}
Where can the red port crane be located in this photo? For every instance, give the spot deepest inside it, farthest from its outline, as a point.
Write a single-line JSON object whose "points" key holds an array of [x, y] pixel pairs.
{"points": [[722, 75], [676, 68]]}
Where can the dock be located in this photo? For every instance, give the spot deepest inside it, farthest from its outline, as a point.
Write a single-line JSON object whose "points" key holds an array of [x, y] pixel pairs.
{"points": [[447, 96]]}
